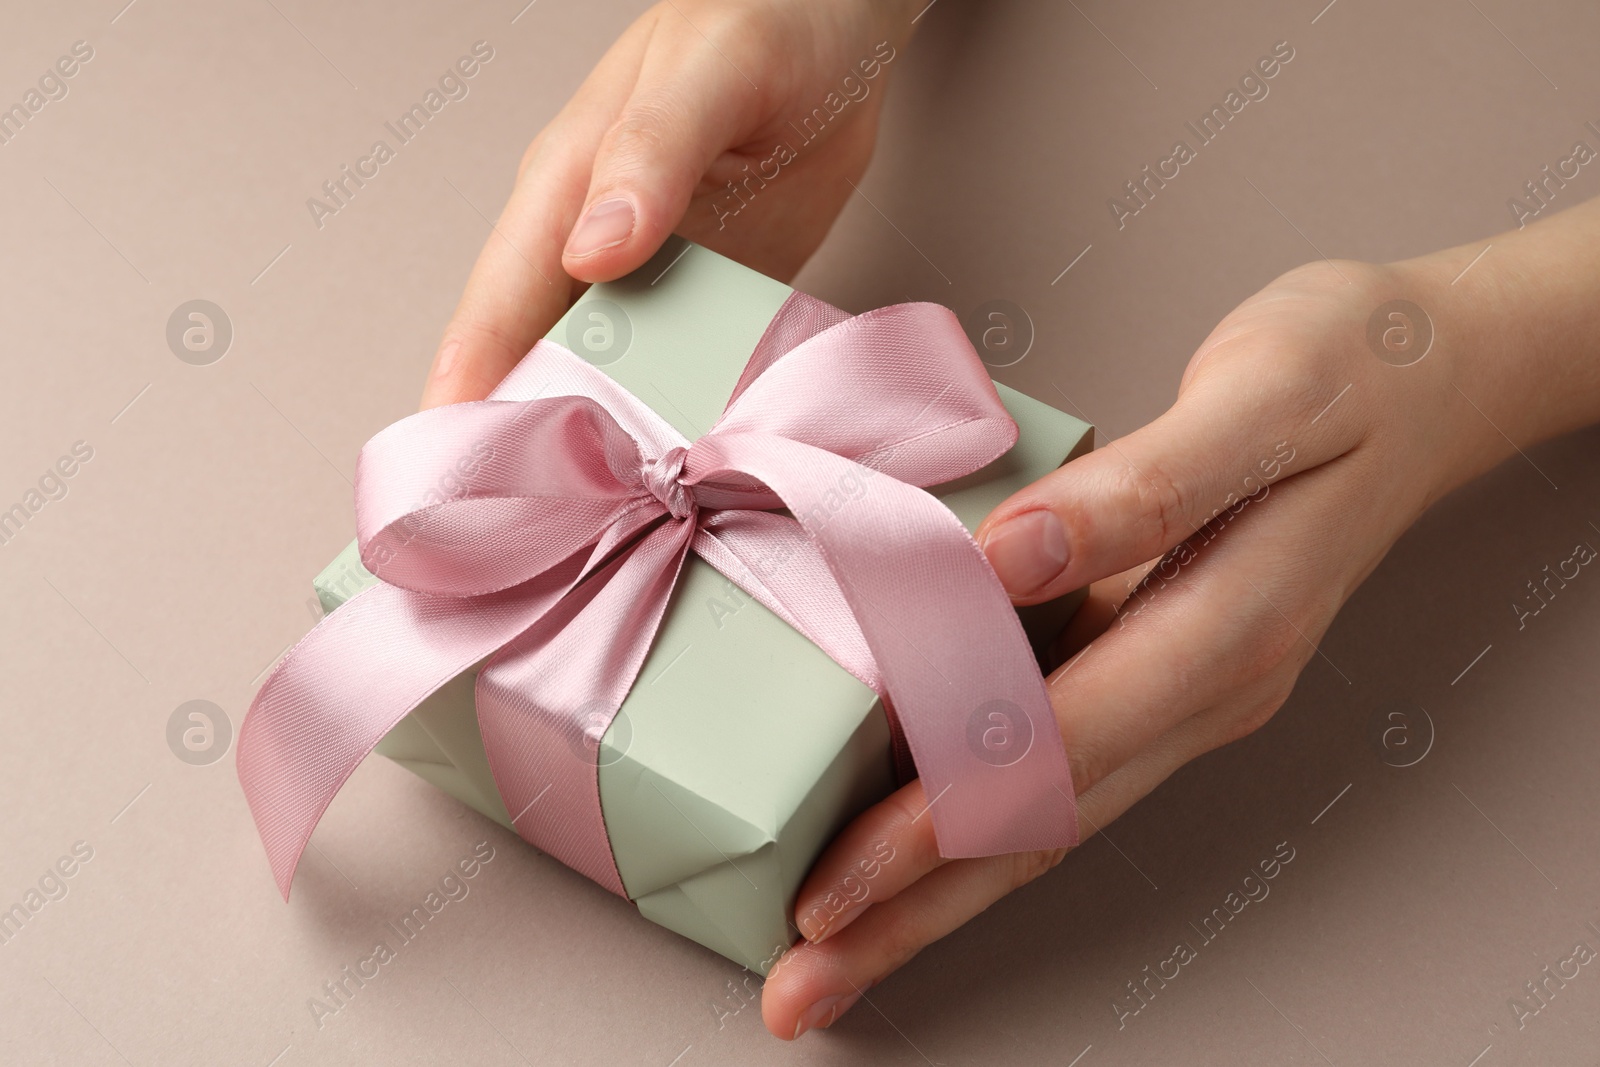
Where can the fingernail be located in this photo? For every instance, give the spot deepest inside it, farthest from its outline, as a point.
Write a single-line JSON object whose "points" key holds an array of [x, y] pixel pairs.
{"points": [[607, 223], [447, 360], [824, 1012], [837, 924], [1027, 551]]}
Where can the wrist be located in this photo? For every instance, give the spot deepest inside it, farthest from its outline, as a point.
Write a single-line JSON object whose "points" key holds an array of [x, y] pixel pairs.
{"points": [[1476, 424], [1516, 329]]}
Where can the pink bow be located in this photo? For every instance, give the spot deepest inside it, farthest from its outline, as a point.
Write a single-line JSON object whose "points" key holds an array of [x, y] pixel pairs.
{"points": [[571, 511]]}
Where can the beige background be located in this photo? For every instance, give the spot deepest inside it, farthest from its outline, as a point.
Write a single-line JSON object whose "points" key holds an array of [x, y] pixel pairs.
{"points": [[178, 566]]}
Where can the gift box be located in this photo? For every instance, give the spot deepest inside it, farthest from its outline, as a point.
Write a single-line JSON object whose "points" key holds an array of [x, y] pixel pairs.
{"points": [[742, 749]]}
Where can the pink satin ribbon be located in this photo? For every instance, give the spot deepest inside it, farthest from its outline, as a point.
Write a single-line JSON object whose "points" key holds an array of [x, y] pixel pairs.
{"points": [[555, 553]]}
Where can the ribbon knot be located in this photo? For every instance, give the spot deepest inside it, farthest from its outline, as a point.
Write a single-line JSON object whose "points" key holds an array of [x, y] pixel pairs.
{"points": [[544, 564], [663, 477]]}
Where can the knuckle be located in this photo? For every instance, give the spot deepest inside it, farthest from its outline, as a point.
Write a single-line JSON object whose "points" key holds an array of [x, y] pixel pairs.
{"points": [[902, 939], [479, 335], [1276, 629], [1088, 768], [1317, 276], [530, 156], [1256, 715], [1160, 502], [731, 23], [908, 832], [644, 130], [1257, 712], [727, 26], [1278, 643]]}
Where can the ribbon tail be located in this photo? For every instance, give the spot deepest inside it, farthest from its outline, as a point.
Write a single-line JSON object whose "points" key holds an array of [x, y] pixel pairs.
{"points": [[954, 657], [350, 680], [548, 698], [769, 556]]}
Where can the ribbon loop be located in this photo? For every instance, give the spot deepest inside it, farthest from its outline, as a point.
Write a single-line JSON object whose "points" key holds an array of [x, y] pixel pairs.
{"points": [[474, 498], [897, 389]]}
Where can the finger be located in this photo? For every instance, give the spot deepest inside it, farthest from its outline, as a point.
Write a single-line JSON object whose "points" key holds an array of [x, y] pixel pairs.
{"points": [[1108, 704], [1230, 610], [775, 229], [1197, 636], [689, 106], [814, 984], [811, 985], [1207, 657], [1226, 439], [1097, 613], [516, 292], [518, 289], [886, 849]]}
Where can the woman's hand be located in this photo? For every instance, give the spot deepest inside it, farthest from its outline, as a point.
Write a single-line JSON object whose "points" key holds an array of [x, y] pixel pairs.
{"points": [[1296, 454], [780, 99]]}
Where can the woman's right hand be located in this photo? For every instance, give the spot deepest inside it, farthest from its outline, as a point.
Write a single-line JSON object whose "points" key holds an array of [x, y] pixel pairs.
{"points": [[780, 98]]}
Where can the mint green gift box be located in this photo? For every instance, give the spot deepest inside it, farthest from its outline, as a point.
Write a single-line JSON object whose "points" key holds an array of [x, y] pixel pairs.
{"points": [[742, 748]]}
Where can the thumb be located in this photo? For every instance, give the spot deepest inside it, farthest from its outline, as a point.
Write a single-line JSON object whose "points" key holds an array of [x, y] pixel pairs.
{"points": [[1146, 493], [676, 123]]}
